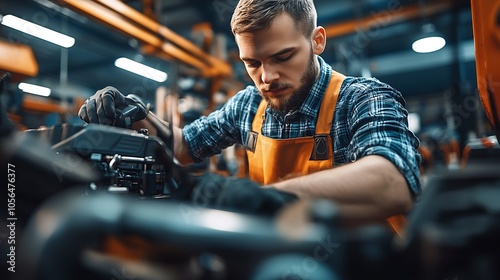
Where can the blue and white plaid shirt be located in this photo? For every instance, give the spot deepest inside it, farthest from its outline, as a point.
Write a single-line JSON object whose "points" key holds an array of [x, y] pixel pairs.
{"points": [[370, 119]]}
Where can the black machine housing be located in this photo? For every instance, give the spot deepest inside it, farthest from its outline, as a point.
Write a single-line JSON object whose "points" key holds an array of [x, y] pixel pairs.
{"points": [[127, 161]]}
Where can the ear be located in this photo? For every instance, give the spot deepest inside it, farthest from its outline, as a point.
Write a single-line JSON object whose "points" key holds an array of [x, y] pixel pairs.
{"points": [[318, 39]]}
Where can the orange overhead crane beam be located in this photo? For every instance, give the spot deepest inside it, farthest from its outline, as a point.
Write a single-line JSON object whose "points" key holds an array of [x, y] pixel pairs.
{"points": [[164, 31], [157, 38], [394, 13], [42, 105], [17, 59]]}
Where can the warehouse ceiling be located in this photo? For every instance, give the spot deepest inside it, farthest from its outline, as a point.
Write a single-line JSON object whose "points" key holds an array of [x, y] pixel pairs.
{"points": [[365, 37]]}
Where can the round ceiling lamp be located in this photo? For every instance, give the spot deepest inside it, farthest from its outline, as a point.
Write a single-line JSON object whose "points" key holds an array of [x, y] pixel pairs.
{"points": [[429, 41]]}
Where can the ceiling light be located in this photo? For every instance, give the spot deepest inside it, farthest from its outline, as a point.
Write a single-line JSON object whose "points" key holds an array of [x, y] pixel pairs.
{"points": [[141, 69], [429, 44], [34, 89], [429, 41], [38, 31]]}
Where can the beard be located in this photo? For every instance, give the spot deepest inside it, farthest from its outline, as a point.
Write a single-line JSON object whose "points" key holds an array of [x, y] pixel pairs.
{"points": [[289, 103]]}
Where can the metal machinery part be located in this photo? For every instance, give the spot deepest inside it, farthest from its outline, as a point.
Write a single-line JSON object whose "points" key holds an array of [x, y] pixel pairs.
{"points": [[486, 27], [126, 160]]}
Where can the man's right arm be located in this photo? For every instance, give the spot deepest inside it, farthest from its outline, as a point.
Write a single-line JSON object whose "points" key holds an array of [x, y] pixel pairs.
{"points": [[203, 138], [110, 107]]}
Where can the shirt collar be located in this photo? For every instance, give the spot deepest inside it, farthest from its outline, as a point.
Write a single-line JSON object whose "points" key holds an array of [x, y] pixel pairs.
{"points": [[312, 103]]}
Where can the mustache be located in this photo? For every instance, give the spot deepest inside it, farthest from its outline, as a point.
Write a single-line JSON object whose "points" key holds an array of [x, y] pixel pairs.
{"points": [[275, 86]]}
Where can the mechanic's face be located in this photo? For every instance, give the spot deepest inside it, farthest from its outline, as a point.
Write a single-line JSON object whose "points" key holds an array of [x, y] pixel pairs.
{"points": [[281, 62]]}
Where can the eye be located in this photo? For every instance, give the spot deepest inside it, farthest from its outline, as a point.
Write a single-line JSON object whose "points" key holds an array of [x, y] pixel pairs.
{"points": [[252, 64], [283, 57]]}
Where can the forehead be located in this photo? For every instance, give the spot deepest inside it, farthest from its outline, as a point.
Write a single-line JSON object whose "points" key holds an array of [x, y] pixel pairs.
{"points": [[282, 33]]}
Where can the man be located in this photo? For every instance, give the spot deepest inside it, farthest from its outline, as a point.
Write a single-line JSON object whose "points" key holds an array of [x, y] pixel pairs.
{"points": [[302, 118]]}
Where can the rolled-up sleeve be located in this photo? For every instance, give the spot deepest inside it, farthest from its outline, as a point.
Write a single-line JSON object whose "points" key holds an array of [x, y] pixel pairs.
{"points": [[209, 135], [378, 125]]}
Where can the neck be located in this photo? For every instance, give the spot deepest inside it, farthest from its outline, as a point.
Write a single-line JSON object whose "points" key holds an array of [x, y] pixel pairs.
{"points": [[317, 67]]}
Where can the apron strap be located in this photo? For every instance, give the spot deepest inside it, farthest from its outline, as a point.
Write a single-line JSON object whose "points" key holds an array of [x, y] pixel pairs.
{"points": [[327, 110], [259, 117]]}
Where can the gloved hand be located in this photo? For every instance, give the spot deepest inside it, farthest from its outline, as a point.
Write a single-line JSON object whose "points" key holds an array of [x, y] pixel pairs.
{"points": [[109, 106], [239, 195]]}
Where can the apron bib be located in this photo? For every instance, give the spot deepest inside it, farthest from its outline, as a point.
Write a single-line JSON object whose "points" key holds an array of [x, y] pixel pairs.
{"points": [[273, 160]]}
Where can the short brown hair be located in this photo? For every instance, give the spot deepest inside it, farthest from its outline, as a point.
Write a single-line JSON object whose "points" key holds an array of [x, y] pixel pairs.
{"points": [[253, 15]]}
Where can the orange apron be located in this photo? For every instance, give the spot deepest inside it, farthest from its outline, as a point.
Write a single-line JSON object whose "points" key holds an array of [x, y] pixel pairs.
{"points": [[272, 160]]}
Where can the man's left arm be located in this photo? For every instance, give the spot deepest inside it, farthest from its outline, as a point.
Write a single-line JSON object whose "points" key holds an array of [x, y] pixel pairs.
{"points": [[383, 177], [369, 189]]}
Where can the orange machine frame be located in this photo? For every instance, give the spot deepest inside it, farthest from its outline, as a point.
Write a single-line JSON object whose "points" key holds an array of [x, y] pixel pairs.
{"points": [[486, 27]]}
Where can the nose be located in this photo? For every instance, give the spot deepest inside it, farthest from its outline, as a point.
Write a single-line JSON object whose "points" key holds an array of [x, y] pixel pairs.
{"points": [[269, 74]]}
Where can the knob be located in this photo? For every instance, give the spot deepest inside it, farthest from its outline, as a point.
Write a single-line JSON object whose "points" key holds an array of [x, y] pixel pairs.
{"points": [[143, 131]]}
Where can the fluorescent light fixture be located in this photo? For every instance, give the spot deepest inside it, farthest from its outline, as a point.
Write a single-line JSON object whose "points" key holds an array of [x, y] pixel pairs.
{"points": [[141, 69], [34, 89], [429, 44], [38, 31]]}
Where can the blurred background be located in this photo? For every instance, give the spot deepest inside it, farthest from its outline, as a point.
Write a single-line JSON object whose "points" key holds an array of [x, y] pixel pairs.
{"points": [[181, 58], [190, 42]]}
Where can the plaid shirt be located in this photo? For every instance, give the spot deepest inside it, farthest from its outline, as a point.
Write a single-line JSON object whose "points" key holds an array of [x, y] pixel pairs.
{"points": [[370, 119]]}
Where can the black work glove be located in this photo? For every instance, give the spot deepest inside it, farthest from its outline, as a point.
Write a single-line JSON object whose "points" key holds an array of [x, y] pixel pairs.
{"points": [[109, 106], [239, 195]]}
